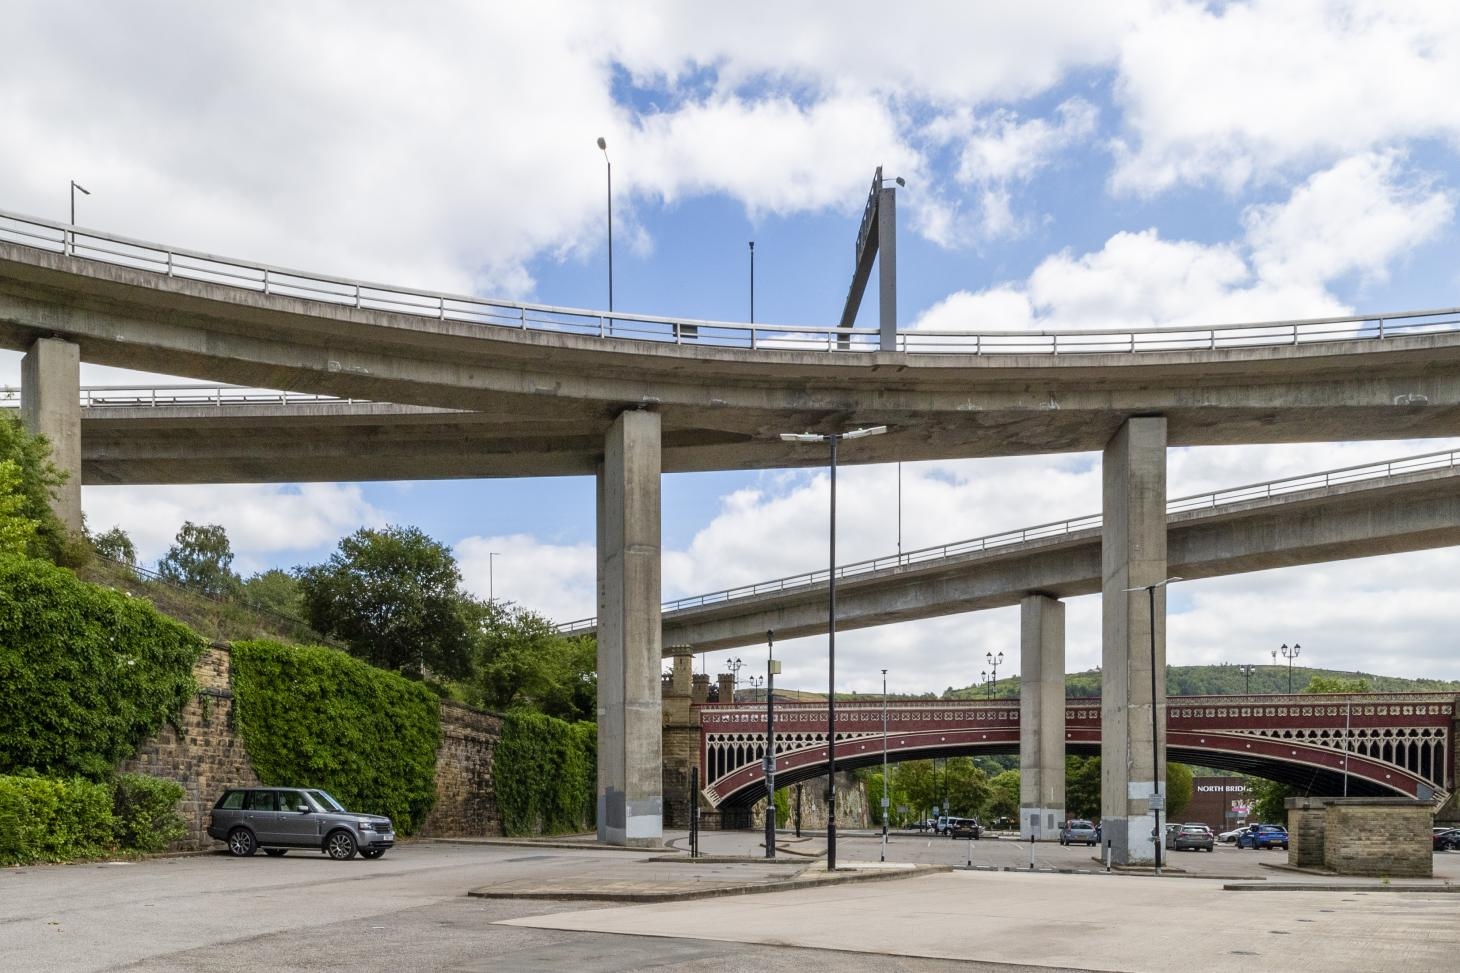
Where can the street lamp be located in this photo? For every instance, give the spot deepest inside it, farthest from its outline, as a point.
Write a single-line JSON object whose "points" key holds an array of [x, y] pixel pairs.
{"points": [[994, 665], [772, 666], [603, 145], [1247, 671], [1157, 799], [831, 439], [71, 236], [752, 281], [886, 802], [1290, 655], [755, 681], [734, 666]]}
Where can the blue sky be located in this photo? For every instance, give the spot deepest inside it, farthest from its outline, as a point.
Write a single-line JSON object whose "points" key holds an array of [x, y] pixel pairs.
{"points": [[1144, 162]]}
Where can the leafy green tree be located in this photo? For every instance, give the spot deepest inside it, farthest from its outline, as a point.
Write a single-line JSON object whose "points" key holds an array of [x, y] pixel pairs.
{"points": [[17, 530], [115, 545], [916, 784], [524, 663], [275, 590], [1004, 795], [1267, 800], [36, 480], [1178, 790], [966, 786], [1337, 684], [1082, 787], [199, 559], [393, 597]]}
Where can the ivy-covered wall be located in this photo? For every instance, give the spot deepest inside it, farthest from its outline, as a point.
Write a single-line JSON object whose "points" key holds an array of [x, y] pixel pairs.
{"points": [[312, 716], [546, 775]]}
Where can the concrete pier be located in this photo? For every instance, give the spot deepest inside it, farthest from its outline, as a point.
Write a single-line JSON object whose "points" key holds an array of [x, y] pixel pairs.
{"points": [[50, 406], [1133, 554], [630, 801], [1041, 717]]}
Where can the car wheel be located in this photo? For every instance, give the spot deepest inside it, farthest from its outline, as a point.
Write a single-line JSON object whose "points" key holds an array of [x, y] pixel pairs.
{"points": [[340, 846], [241, 843], [276, 852]]}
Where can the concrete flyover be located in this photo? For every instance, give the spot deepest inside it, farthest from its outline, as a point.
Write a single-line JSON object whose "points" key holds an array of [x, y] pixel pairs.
{"points": [[1407, 504], [547, 397]]}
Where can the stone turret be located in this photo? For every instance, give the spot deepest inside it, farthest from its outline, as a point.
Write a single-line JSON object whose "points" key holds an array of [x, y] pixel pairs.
{"points": [[726, 686], [680, 738]]}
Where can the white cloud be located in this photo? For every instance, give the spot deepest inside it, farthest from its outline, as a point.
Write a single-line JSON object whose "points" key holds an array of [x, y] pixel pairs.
{"points": [[1237, 93], [266, 524], [555, 580]]}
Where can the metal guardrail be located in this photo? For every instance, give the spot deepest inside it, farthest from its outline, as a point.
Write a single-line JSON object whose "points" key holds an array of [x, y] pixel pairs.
{"points": [[154, 396], [1446, 459], [194, 265]]}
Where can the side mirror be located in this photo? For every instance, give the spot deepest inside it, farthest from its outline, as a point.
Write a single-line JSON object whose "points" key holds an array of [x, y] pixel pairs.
{"points": [[304, 809]]}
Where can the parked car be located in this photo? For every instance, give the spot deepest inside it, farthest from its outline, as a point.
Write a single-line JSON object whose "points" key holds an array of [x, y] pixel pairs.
{"points": [[1230, 837], [1191, 837], [925, 824], [1263, 836], [277, 819], [1076, 831], [1447, 839], [963, 828]]}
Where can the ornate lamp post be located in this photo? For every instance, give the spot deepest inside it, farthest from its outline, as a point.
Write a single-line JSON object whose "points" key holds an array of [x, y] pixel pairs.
{"points": [[994, 670], [1290, 655], [1247, 671]]}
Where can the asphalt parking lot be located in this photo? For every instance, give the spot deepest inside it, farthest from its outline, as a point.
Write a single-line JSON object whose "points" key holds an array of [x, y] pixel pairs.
{"points": [[410, 910]]}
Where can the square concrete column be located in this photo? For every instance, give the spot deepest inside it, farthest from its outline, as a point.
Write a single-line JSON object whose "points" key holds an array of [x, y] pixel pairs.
{"points": [[1041, 717], [1133, 546], [50, 406], [630, 783]]}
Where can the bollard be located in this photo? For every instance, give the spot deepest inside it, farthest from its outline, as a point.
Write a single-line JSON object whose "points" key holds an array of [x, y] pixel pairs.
{"points": [[1031, 852], [1108, 853], [970, 852]]}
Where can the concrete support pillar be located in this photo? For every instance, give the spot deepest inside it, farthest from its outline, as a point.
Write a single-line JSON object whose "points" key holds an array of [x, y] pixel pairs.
{"points": [[50, 406], [1041, 717], [630, 799], [1133, 555]]}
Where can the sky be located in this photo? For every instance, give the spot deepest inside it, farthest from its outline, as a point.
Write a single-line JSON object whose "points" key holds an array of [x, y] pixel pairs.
{"points": [[1068, 165]]}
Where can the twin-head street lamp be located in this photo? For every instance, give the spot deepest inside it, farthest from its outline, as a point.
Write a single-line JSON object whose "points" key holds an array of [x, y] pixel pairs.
{"points": [[1157, 800], [831, 439], [1247, 671], [1290, 655], [734, 666], [755, 681], [994, 670]]}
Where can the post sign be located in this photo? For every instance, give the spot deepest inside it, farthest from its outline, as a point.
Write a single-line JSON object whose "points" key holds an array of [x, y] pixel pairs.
{"points": [[1157, 802]]}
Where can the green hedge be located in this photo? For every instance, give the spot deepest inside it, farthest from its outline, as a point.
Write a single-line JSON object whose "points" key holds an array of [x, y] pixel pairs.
{"points": [[86, 674], [315, 717], [43, 819], [546, 774], [145, 812]]}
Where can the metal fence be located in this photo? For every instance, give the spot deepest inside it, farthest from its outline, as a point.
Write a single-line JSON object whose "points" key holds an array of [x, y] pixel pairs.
{"points": [[194, 265], [1231, 496]]}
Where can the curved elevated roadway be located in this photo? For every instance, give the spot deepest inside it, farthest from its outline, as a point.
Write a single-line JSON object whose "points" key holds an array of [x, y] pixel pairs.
{"points": [[545, 384], [1408, 504]]}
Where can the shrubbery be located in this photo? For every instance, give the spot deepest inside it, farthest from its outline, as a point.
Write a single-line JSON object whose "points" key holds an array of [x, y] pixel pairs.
{"points": [[546, 774], [44, 819], [86, 674], [316, 717], [145, 812]]}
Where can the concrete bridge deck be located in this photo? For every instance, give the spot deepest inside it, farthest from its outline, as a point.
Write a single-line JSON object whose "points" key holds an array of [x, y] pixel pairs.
{"points": [[548, 397]]}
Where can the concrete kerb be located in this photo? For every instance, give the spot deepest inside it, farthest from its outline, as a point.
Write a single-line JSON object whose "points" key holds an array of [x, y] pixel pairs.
{"points": [[1266, 886], [585, 845], [808, 878]]}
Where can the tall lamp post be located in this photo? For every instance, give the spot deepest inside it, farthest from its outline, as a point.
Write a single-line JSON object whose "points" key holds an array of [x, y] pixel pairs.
{"points": [[1247, 671], [886, 801], [831, 439], [752, 281], [1157, 799], [994, 666], [1290, 655], [734, 665], [772, 666], [603, 145], [71, 236]]}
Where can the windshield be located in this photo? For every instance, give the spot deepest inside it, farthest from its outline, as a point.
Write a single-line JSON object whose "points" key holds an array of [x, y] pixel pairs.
{"points": [[325, 801]]}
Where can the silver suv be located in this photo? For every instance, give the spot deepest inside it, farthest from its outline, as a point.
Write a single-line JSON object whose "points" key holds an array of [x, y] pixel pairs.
{"points": [[279, 818]]}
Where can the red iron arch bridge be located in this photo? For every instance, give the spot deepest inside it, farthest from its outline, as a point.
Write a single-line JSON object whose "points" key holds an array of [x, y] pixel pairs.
{"points": [[1384, 744]]}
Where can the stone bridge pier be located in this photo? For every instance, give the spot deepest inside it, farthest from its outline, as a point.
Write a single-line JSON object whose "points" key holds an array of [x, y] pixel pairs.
{"points": [[50, 406]]}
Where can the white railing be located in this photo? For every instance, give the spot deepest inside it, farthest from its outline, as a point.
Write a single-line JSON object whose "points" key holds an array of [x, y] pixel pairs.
{"points": [[173, 262], [1447, 459]]}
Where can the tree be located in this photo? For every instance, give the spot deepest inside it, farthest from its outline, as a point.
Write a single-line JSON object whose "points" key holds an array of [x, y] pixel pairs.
{"points": [[1004, 795], [17, 531], [1082, 787], [1268, 797], [32, 481], [1178, 789], [523, 662], [199, 558], [116, 545], [1337, 684], [967, 787], [393, 597], [276, 591]]}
